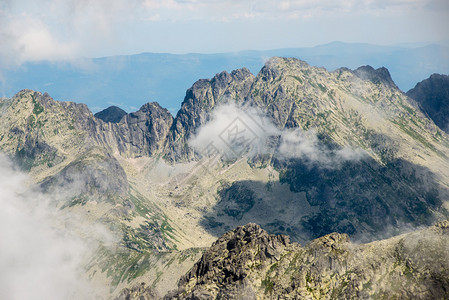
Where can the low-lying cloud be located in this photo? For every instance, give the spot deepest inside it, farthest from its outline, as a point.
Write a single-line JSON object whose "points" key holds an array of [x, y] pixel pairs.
{"points": [[297, 144], [42, 254], [234, 131]]}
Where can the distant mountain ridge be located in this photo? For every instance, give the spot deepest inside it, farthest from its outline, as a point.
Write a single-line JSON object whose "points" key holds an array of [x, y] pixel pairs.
{"points": [[128, 81]]}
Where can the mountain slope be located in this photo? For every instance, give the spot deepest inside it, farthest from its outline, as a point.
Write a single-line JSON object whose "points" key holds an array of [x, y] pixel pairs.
{"points": [[400, 180], [346, 109], [341, 151], [198, 104], [78, 160]]}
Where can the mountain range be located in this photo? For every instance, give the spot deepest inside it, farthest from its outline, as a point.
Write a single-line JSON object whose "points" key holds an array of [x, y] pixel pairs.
{"points": [[129, 81], [299, 150]]}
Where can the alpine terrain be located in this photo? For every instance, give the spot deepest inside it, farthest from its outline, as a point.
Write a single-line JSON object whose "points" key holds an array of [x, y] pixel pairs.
{"points": [[293, 183]]}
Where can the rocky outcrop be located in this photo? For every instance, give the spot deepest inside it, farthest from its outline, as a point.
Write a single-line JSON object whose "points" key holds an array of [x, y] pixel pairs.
{"points": [[111, 114], [433, 96], [248, 263], [198, 104], [138, 292], [144, 132], [93, 173], [376, 76], [62, 128], [225, 268]]}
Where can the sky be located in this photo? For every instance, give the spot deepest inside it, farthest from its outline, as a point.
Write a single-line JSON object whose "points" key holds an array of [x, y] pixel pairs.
{"points": [[33, 30]]}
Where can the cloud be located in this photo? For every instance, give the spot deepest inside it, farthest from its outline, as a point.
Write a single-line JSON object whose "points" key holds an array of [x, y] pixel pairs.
{"points": [[211, 9], [42, 255], [305, 144], [67, 29], [235, 131], [59, 30], [30, 39]]}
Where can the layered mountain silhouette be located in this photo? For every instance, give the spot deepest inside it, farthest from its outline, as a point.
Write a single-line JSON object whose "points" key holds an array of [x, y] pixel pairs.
{"points": [[130, 80]]}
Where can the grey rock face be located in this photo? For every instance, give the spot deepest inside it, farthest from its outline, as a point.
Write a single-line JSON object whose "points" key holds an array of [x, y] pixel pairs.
{"points": [[376, 76], [111, 114], [138, 292], [140, 133], [144, 132], [92, 173], [198, 103], [248, 263], [34, 151], [433, 96], [230, 260]]}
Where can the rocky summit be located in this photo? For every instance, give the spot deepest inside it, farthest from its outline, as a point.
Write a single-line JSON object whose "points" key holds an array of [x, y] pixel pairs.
{"points": [[111, 114], [249, 263], [433, 96], [328, 157]]}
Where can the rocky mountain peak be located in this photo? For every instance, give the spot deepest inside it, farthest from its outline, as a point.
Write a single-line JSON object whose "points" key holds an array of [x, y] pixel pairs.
{"points": [[237, 267], [231, 259], [249, 235], [241, 73], [111, 114], [198, 104], [145, 130], [151, 111], [433, 96], [276, 66], [376, 76]]}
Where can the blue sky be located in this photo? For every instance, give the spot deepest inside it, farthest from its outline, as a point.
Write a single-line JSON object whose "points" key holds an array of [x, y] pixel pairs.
{"points": [[32, 30]]}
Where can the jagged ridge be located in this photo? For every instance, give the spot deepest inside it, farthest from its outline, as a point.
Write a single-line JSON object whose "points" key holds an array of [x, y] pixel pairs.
{"points": [[248, 263], [401, 182]]}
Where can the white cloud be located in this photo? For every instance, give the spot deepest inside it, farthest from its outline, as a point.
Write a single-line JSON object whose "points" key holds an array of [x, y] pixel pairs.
{"points": [[64, 29], [59, 30], [305, 144], [234, 131], [29, 39], [41, 256]]}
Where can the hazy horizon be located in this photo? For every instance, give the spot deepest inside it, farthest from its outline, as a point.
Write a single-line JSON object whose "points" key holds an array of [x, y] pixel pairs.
{"points": [[58, 30]]}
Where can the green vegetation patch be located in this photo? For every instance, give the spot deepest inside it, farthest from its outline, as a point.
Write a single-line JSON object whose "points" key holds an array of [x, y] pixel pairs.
{"points": [[297, 78], [416, 136], [268, 285], [322, 88], [37, 107]]}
